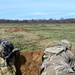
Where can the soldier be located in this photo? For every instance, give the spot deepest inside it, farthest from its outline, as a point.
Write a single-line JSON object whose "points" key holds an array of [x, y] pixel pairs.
{"points": [[58, 60], [8, 53]]}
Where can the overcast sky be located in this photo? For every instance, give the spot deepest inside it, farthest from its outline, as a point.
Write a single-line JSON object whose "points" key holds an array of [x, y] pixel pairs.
{"points": [[37, 9]]}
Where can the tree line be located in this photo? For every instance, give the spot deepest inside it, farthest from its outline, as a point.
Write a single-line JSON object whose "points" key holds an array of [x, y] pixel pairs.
{"points": [[39, 21]]}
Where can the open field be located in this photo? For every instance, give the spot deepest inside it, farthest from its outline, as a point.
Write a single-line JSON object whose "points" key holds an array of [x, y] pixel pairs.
{"points": [[36, 36], [32, 39]]}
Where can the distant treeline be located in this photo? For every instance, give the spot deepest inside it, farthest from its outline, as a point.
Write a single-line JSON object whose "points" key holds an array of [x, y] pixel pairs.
{"points": [[38, 21]]}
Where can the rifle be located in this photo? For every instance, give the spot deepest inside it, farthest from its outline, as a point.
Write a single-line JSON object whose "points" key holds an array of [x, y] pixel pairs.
{"points": [[11, 55]]}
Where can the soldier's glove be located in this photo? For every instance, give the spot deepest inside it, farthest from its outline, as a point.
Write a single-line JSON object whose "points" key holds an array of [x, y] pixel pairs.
{"points": [[13, 53], [6, 57]]}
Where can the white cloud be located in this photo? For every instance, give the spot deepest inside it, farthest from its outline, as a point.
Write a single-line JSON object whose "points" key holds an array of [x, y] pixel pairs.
{"points": [[45, 13], [71, 14], [33, 14], [37, 13]]}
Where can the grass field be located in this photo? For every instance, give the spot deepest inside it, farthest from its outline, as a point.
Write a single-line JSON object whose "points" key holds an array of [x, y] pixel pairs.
{"points": [[36, 36]]}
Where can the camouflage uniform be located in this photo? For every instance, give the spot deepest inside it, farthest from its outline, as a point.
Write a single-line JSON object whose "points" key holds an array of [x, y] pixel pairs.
{"points": [[6, 69], [58, 60]]}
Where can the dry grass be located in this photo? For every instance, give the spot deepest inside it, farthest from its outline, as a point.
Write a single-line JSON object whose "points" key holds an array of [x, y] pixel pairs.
{"points": [[33, 37]]}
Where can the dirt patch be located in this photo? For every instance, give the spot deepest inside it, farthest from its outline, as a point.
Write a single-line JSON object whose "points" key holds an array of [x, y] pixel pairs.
{"points": [[16, 30], [28, 62]]}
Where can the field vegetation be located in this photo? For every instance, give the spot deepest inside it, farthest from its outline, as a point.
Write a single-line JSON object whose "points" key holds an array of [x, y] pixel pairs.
{"points": [[34, 36]]}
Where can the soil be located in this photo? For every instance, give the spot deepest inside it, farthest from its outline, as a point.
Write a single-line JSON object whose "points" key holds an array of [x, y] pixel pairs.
{"points": [[28, 62], [16, 30]]}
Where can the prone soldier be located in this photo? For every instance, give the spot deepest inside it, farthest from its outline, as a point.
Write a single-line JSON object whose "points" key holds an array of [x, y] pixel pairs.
{"points": [[58, 60]]}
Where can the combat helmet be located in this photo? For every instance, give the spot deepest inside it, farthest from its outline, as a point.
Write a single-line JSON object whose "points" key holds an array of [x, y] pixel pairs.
{"points": [[66, 44]]}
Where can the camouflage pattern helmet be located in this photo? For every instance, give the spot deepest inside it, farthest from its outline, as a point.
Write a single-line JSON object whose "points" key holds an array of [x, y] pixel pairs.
{"points": [[65, 43], [6, 46]]}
